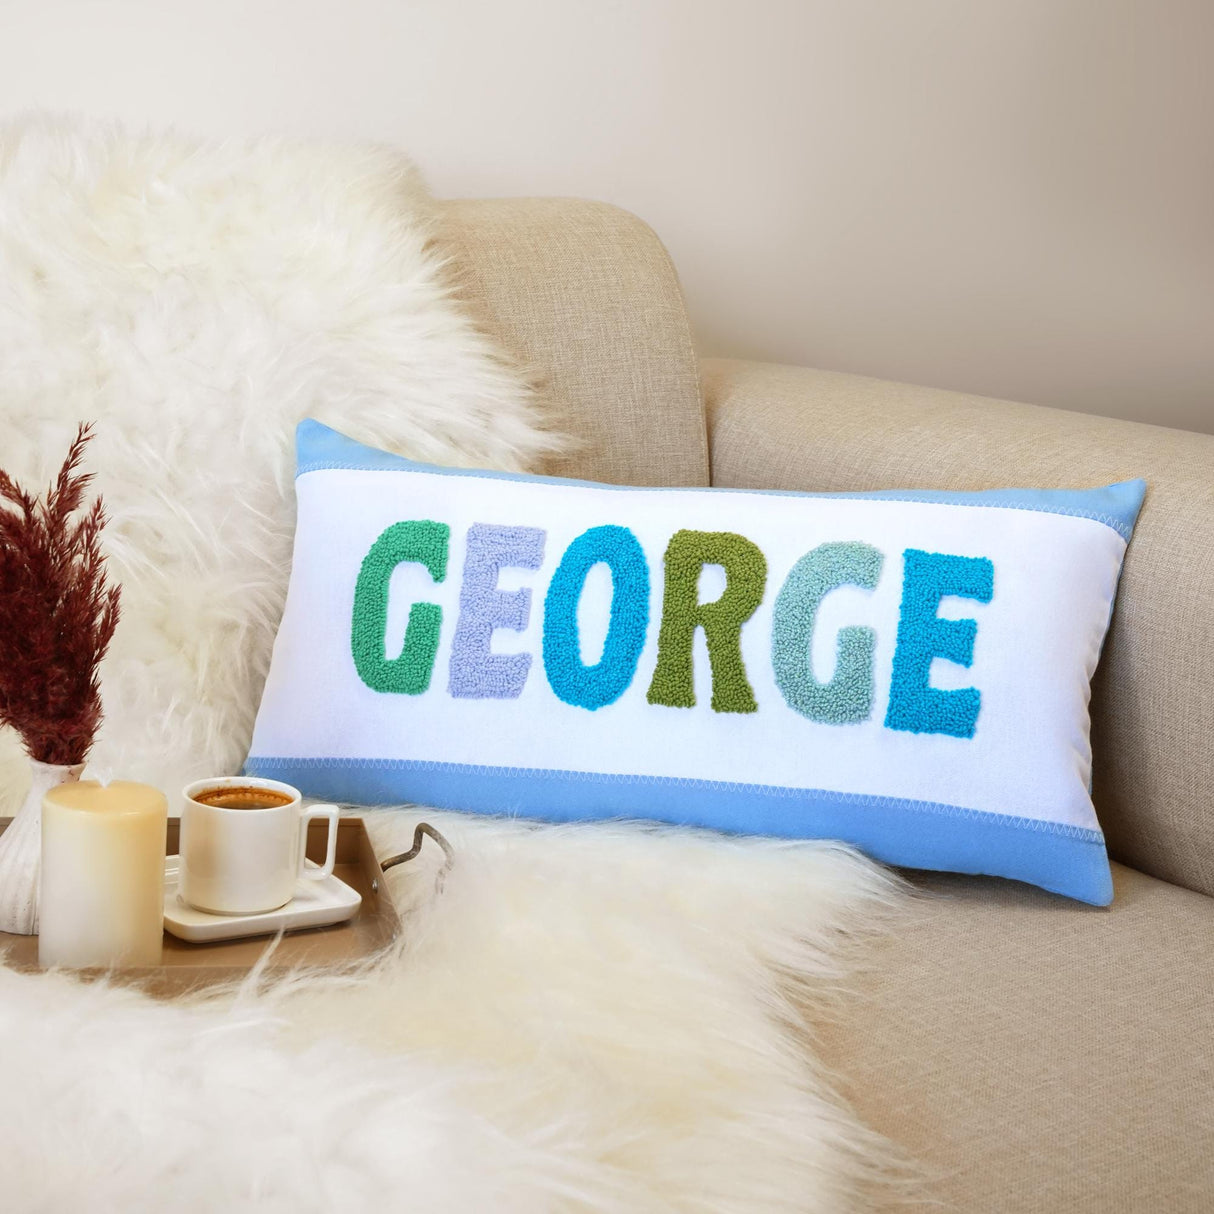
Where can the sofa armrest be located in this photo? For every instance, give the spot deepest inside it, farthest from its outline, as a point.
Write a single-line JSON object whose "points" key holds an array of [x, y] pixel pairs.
{"points": [[585, 298], [1153, 697]]}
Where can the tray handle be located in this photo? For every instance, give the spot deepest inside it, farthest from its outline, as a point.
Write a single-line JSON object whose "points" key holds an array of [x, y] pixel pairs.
{"points": [[419, 832]]}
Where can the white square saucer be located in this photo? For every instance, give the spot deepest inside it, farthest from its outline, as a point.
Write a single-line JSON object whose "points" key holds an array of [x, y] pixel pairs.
{"points": [[316, 904]]}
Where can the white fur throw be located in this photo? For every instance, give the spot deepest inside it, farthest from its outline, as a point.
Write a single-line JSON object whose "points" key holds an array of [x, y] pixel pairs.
{"points": [[197, 300], [587, 1020]]}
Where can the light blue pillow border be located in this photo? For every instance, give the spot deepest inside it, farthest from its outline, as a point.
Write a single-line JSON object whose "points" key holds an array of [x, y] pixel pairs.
{"points": [[1064, 859], [319, 448]]}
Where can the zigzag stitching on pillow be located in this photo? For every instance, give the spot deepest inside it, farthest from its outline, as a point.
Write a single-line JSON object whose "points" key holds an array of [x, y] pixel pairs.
{"points": [[1122, 529], [1082, 833]]}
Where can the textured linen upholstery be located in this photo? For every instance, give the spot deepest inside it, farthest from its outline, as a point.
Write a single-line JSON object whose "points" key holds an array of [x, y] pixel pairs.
{"points": [[1153, 696], [585, 296], [1036, 1055]]}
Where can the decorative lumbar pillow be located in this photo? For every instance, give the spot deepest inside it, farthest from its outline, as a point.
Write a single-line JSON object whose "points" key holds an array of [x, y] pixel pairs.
{"points": [[907, 671]]}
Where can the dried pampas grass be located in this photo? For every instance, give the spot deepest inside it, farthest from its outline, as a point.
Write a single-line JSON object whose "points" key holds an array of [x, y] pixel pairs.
{"points": [[57, 612]]}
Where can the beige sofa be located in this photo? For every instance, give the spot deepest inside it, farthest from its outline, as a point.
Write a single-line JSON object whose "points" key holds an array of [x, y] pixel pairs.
{"points": [[1034, 1054]]}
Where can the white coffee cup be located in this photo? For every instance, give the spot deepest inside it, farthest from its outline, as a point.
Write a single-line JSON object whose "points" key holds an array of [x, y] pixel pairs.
{"points": [[245, 861]]}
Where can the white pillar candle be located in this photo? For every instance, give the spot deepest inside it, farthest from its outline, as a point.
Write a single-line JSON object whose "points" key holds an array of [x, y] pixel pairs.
{"points": [[102, 899]]}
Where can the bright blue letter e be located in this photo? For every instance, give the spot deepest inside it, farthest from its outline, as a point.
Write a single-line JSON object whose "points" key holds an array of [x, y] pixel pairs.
{"points": [[914, 705]]}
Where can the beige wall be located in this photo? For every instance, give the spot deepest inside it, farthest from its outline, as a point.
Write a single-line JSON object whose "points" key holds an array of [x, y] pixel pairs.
{"points": [[1013, 197]]}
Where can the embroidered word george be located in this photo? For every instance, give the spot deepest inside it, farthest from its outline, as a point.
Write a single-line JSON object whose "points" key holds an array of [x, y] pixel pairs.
{"points": [[476, 672]]}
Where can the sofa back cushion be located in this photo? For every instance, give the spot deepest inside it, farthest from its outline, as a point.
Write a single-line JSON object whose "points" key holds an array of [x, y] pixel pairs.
{"points": [[586, 298], [1153, 694]]}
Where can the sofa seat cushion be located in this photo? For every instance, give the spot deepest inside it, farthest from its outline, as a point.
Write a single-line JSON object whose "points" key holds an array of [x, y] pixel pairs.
{"points": [[1034, 1054]]}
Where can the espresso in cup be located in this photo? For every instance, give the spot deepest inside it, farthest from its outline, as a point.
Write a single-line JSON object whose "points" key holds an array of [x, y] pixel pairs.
{"points": [[242, 796], [243, 844]]}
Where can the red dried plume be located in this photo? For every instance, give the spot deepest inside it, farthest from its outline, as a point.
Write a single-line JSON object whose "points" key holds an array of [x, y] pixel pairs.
{"points": [[57, 615]]}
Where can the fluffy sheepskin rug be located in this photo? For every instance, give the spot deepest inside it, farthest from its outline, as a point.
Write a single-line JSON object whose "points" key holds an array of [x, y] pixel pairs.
{"points": [[597, 1018], [605, 1018], [196, 300]]}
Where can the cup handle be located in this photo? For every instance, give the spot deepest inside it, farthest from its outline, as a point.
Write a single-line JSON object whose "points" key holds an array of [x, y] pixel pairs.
{"points": [[331, 813]]}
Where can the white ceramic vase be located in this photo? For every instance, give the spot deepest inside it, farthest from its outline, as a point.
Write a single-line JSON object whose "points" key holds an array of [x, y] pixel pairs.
{"points": [[21, 850]]}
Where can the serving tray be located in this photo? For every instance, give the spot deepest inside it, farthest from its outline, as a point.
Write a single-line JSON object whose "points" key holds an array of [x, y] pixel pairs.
{"points": [[184, 966]]}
